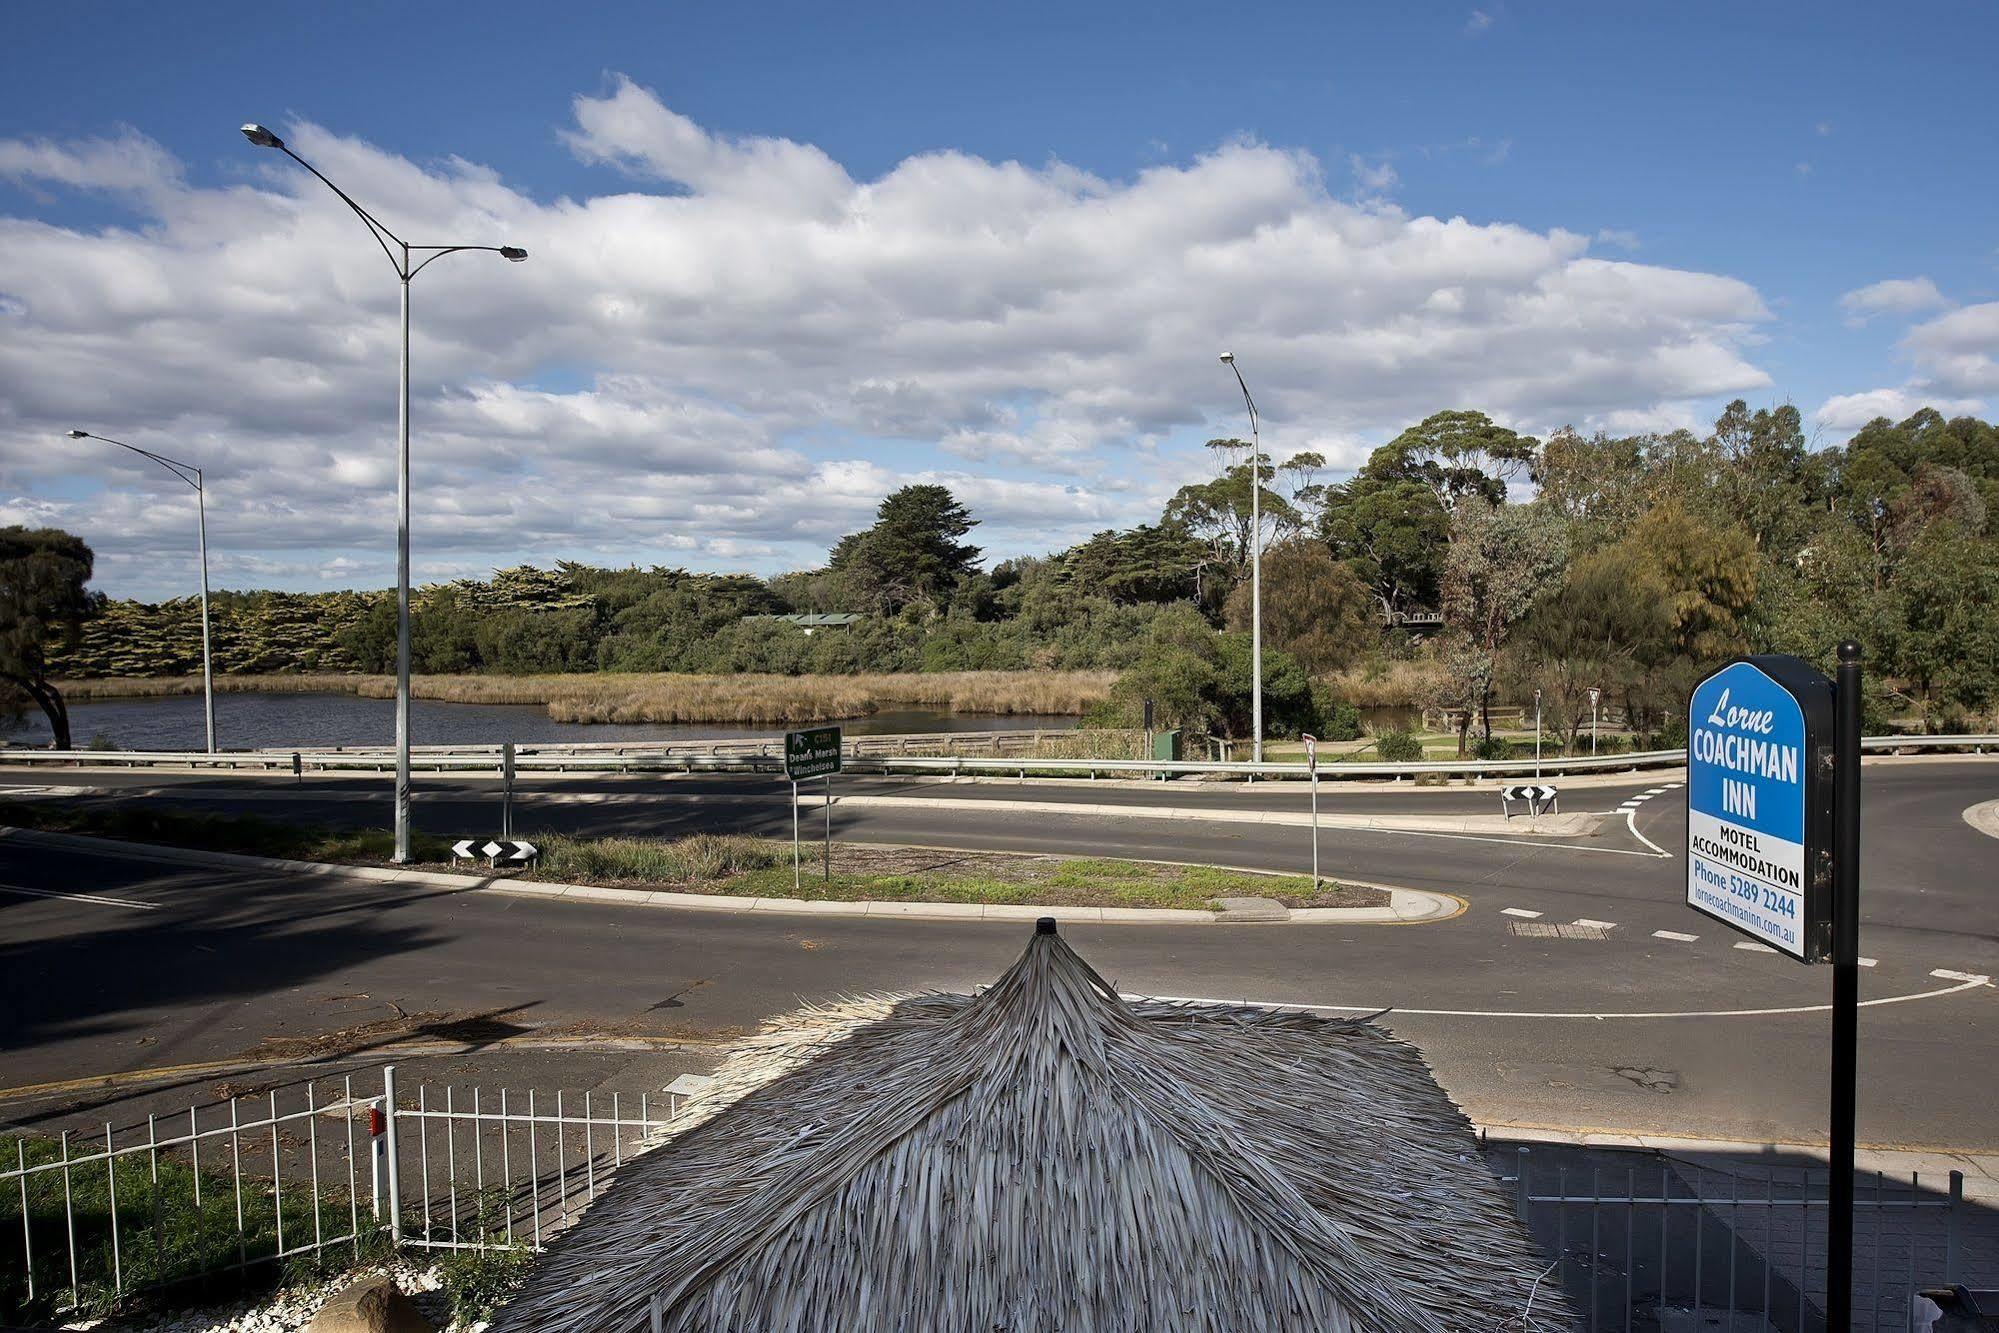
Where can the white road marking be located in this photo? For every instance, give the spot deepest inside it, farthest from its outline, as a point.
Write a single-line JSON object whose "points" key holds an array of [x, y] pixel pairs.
{"points": [[1507, 1013], [1751, 946], [1631, 821], [1674, 935], [1946, 974], [1599, 925], [1869, 962], [1654, 792], [1674, 786], [79, 898], [1518, 911]]}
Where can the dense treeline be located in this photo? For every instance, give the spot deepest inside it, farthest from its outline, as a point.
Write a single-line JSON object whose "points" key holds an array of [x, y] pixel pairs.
{"points": [[1471, 562]]}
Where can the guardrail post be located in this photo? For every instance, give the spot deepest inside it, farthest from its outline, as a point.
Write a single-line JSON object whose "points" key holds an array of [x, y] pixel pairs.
{"points": [[394, 1163], [1521, 1194]]}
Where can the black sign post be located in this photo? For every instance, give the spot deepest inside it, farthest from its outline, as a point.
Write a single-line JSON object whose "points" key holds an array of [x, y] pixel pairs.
{"points": [[1845, 984], [1773, 850]]}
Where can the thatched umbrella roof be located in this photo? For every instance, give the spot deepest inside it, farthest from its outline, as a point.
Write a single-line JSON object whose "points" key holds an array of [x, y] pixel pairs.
{"points": [[1047, 1156]]}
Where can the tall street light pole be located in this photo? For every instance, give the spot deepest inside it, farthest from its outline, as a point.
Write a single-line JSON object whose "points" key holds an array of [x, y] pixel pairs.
{"points": [[401, 254], [190, 474], [1255, 564]]}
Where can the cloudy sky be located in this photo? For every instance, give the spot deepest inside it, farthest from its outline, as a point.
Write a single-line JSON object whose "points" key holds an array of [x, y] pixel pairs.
{"points": [[785, 258]]}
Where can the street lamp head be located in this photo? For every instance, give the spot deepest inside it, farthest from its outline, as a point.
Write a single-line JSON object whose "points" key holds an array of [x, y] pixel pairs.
{"points": [[79, 435], [513, 253], [262, 137], [1229, 357]]}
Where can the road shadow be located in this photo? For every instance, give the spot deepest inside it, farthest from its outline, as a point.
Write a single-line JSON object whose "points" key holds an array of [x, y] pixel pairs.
{"points": [[131, 970], [1736, 1241]]}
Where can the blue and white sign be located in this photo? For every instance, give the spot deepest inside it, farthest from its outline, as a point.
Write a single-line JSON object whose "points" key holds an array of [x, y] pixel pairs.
{"points": [[1750, 796]]}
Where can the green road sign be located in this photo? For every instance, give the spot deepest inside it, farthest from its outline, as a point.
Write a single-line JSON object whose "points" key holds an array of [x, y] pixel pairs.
{"points": [[811, 754]]}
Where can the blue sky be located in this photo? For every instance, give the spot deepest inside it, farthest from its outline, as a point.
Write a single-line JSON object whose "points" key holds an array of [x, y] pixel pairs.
{"points": [[1793, 154]]}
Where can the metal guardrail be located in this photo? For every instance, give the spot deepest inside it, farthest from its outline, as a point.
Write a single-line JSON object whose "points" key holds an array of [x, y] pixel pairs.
{"points": [[483, 760]]}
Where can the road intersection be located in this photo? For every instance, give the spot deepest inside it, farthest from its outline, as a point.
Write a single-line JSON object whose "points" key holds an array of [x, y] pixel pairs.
{"points": [[1575, 991]]}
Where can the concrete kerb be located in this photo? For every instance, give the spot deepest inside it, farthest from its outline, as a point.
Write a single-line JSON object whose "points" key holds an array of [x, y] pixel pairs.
{"points": [[1984, 817], [1405, 906]]}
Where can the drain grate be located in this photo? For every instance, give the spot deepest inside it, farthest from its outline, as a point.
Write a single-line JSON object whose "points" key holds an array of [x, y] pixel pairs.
{"points": [[1550, 930]]}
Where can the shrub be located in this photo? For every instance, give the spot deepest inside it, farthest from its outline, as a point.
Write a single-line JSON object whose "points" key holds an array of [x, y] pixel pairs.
{"points": [[1398, 747], [1491, 747]]}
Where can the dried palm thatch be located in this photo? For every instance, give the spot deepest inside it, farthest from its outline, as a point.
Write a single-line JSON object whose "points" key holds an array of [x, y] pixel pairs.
{"points": [[1048, 1157]]}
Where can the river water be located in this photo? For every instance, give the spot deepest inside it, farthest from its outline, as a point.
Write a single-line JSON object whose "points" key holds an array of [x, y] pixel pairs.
{"points": [[256, 721]]}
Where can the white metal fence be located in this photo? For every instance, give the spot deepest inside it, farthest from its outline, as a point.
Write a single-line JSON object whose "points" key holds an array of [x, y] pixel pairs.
{"points": [[319, 1169], [314, 1169], [1675, 1245]]}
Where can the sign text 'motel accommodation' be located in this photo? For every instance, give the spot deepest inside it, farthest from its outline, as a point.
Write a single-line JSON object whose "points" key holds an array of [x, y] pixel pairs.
{"points": [[1759, 803]]}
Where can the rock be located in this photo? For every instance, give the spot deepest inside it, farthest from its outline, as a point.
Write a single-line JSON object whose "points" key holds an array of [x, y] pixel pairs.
{"points": [[371, 1305]]}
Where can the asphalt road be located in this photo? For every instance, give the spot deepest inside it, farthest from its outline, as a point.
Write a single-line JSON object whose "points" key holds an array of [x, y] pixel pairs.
{"points": [[159, 966]]}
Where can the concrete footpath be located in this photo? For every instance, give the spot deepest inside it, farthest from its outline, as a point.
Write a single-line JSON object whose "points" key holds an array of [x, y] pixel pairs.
{"points": [[1405, 906]]}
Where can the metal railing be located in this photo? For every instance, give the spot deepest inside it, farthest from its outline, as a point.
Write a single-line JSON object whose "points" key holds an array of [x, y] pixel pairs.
{"points": [[1741, 1248], [178, 1199], [547, 759]]}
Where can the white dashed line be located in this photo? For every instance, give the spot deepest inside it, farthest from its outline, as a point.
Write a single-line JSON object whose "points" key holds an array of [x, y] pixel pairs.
{"points": [[1752, 946], [1597, 925], [1674, 935], [1945, 974], [1869, 962], [1518, 911]]}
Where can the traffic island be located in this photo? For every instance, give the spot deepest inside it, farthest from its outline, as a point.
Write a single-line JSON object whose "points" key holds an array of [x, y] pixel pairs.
{"points": [[754, 874]]}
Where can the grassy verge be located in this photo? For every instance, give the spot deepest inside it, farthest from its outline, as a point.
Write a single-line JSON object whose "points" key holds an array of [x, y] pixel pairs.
{"points": [[672, 697], [735, 866], [166, 1242]]}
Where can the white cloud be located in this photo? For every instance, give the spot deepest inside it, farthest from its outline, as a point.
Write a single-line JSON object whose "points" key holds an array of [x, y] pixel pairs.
{"points": [[1618, 237], [1851, 411], [1954, 357], [1958, 351], [1480, 21], [729, 355], [1897, 296]]}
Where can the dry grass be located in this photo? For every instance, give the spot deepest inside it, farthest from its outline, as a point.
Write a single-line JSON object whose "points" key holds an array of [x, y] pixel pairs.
{"points": [[1378, 684], [1051, 1156], [667, 697]]}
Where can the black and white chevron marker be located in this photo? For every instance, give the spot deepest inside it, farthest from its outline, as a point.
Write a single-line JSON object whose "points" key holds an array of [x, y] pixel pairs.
{"points": [[1539, 797], [495, 850]]}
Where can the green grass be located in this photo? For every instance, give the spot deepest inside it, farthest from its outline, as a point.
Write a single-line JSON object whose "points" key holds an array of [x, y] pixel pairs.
{"points": [[730, 865], [164, 1240]]}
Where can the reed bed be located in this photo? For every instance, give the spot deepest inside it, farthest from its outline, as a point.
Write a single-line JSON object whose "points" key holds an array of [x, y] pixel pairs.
{"points": [[1387, 684], [670, 697]]}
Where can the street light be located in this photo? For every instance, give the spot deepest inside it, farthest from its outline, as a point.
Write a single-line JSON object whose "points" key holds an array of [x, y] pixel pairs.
{"points": [[190, 474], [1255, 565], [400, 253]]}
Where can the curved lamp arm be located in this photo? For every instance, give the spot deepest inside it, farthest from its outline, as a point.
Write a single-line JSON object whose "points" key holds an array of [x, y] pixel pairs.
{"points": [[263, 138], [187, 472]]}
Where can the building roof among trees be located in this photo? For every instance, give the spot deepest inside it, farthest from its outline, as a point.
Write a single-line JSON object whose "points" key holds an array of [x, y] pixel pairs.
{"points": [[1049, 1156], [814, 621]]}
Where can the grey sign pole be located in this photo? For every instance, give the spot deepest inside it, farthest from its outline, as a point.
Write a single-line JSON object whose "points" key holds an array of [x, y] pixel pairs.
{"points": [[829, 828], [507, 790], [794, 839], [1312, 765]]}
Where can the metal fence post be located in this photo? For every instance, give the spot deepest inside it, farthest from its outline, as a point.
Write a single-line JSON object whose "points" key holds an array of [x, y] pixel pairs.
{"points": [[1952, 1207], [395, 1163], [1520, 1190]]}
